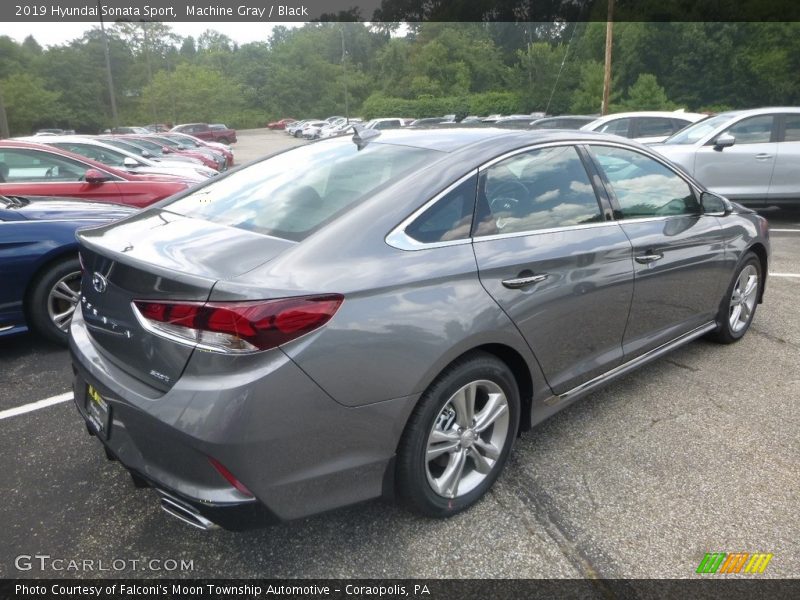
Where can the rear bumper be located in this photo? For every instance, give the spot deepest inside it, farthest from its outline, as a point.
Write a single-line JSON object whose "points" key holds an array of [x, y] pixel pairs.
{"points": [[297, 450]]}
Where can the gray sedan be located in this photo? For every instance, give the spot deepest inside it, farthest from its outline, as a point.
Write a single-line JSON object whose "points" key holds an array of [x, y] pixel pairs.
{"points": [[750, 156], [384, 315]]}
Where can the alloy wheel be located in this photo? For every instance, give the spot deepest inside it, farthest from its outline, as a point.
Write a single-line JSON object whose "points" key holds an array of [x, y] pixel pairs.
{"points": [[743, 298], [63, 298]]}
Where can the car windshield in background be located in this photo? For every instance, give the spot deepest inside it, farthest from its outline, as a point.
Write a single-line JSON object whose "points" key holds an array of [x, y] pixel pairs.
{"points": [[694, 133], [294, 193]]}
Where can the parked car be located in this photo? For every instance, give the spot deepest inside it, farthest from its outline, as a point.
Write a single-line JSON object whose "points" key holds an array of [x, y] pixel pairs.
{"points": [[52, 131], [648, 127], [293, 127], [387, 123], [159, 148], [39, 261], [312, 129], [281, 124], [134, 146], [184, 147], [301, 131], [193, 142], [28, 169], [751, 156], [337, 130], [562, 122], [204, 132], [125, 160], [157, 127], [130, 130], [482, 278]]}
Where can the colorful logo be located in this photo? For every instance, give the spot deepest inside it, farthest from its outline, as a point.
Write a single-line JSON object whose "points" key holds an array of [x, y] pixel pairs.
{"points": [[736, 562]]}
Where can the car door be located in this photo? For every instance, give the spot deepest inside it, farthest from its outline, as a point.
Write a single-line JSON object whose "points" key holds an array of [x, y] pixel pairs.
{"points": [[553, 262], [742, 171], [34, 172], [785, 183], [678, 252]]}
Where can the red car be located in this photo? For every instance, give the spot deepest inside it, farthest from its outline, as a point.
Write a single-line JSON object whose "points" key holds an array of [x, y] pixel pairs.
{"points": [[185, 138], [221, 134], [28, 169], [280, 124]]}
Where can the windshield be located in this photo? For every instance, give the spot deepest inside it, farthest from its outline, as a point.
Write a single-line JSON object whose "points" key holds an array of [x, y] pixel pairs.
{"points": [[293, 194], [695, 133]]}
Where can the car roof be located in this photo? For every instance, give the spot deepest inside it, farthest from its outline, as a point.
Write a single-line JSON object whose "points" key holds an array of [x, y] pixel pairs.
{"points": [[452, 139], [652, 113]]}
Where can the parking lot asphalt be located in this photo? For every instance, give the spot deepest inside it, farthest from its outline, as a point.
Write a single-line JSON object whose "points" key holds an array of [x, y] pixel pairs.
{"points": [[697, 452]]}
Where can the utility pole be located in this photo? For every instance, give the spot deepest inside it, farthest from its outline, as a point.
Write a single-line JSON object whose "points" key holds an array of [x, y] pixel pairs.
{"points": [[607, 75], [111, 95], [344, 76], [4, 132]]}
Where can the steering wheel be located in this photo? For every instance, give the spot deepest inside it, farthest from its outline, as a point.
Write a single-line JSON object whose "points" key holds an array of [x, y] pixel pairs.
{"points": [[507, 196], [49, 173]]}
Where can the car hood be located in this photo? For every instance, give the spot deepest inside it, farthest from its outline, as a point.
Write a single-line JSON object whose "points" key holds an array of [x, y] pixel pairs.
{"points": [[39, 208]]}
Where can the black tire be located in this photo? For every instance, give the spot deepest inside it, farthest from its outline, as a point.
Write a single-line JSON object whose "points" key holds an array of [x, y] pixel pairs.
{"points": [[39, 298], [223, 140], [726, 333], [413, 469]]}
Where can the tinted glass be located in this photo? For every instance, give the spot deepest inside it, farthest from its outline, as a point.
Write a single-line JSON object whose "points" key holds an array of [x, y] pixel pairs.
{"points": [[34, 166], [450, 218], [616, 127], [654, 126], [294, 193], [755, 130], [792, 128], [98, 153], [643, 186], [539, 189]]}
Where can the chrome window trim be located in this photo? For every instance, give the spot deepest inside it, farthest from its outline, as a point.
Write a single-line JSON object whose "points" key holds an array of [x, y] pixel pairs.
{"points": [[398, 238]]}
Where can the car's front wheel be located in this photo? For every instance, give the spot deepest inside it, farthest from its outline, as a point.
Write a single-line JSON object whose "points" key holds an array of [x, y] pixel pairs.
{"points": [[741, 299], [53, 298], [459, 436]]}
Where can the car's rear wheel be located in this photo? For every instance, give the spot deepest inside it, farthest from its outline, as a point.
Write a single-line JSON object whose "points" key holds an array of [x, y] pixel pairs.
{"points": [[53, 298], [459, 436], [739, 304]]}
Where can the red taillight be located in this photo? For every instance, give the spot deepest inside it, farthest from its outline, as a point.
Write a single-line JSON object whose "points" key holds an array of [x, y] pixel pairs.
{"points": [[229, 477], [240, 326]]}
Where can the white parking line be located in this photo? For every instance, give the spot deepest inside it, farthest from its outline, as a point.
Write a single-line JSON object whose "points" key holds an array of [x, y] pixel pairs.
{"points": [[26, 408], [784, 274], [785, 230]]}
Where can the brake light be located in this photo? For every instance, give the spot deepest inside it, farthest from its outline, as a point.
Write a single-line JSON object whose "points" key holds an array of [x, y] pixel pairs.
{"points": [[237, 326]]}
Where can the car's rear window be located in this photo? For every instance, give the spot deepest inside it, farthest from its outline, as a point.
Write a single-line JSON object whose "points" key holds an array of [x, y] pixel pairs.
{"points": [[293, 194]]}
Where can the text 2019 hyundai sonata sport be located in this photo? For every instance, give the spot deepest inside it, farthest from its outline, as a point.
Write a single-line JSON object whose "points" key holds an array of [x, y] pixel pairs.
{"points": [[383, 315]]}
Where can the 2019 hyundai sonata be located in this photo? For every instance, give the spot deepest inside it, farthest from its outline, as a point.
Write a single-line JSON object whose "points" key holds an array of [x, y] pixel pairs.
{"points": [[383, 315]]}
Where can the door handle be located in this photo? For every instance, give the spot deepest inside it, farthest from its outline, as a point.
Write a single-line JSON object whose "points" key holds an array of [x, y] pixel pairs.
{"points": [[763, 156], [521, 282], [648, 258]]}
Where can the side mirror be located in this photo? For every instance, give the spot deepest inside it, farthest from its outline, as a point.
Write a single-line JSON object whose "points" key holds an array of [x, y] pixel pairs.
{"points": [[147, 154], [95, 177], [130, 162], [726, 140], [715, 206]]}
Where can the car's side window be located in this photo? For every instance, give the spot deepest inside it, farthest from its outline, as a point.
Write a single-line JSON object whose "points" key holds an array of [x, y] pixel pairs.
{"points": [[643, 186], [791, 131], [534, 190], [654, 126], [450, 218], [35, 166], [616, 127], [754, 130]]}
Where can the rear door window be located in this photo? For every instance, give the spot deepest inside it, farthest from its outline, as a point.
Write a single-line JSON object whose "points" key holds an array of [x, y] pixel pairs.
{"points": [[450, 218], [654, 127], [615, 127]]}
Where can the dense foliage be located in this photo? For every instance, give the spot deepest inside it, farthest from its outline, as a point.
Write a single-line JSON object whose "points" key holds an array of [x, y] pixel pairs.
{"points": [[433, 69]]}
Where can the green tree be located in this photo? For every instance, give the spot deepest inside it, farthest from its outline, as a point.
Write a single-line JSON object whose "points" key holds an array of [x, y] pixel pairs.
{"points": [[29, 104], [588, 97], [646, 94]]}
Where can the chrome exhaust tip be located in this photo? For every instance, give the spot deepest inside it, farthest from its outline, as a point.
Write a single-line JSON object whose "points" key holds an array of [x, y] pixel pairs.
{"points": [[185, 513]]}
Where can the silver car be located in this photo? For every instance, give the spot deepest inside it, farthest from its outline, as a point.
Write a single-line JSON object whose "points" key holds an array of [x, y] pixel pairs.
{"points": [[384, 315], [751, 156]]}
